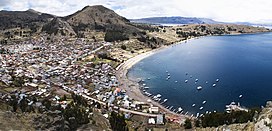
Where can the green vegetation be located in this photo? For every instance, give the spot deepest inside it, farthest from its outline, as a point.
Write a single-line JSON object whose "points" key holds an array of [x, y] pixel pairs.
{"points": [[76, 112], [124, 47], [112, 36], [118, 122], [187, 124], [217, 119]]}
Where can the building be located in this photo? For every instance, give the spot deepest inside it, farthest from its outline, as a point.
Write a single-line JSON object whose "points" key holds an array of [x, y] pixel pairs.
{"points": [[154, 109]]}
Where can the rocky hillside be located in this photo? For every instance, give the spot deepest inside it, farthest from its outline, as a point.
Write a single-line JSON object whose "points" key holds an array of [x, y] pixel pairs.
{"points": [[58, 27]]}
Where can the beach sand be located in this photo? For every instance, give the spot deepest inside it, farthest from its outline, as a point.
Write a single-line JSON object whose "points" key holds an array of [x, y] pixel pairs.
{"points": [[132, 87]]}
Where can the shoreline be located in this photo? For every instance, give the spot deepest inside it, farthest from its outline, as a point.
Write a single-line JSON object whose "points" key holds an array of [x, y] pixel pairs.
{"points": [[133, 88]]}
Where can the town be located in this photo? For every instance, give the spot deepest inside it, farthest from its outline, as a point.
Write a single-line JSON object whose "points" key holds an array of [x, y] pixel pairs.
{"points": [[52, 70]]}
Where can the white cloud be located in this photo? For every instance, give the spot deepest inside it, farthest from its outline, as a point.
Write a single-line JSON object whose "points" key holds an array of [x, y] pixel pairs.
{"points": [[221, 10]]}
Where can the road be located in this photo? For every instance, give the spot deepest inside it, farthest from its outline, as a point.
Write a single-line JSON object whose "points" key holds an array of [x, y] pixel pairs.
{"points": [[121, 109]]}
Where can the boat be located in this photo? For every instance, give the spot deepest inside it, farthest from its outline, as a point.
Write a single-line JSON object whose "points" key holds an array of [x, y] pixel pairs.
{"points": [[207, 112], [144, 84], [196, 80], [214, 85], [176, 81], [146, 87], [148, 78], [197, 114], [191, 76], [164, 100], [206, 82], [158, 95], [186, 81], [240, 96], [217, 80], [193, 105], [168, 74], [199, 88], [201, 108], [204, 102], [180, 109]]}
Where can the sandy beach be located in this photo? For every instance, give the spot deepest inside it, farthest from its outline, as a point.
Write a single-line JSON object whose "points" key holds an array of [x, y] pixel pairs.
{"points": [[132, 87]]}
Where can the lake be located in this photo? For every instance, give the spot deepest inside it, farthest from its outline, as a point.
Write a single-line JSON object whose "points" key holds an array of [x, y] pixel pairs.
{"points": [[242, 63]]}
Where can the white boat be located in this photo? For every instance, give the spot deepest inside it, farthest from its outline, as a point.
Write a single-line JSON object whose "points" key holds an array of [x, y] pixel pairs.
{"points": [[146, 87], [168, 74], [186, 81], [176, 81], [180, 109], [196, 80], [206, 82], [217, 80], [144, 84], [199, 88], [164, 100], [214, 85], [193, 105], [240, 96], [204, 102], [197, 114], [201, 108], [158, 95], [148, 78]]}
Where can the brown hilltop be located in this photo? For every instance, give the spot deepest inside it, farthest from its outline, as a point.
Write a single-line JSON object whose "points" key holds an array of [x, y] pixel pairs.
{"points": [[99, 17]]}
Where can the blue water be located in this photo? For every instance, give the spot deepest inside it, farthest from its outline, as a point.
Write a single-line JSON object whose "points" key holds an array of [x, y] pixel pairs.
{"points": [[243, 63]]}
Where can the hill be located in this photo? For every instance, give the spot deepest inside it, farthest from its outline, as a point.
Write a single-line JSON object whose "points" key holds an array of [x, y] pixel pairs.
{"points": [[23, 19]]}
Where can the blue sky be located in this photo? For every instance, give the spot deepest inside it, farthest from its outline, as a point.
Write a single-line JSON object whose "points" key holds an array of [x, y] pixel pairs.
{"points": [[258, 11]]}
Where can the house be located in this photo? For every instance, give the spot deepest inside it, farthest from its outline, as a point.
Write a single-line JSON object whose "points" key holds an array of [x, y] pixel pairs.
{"points": [[160, 120], [154, 109], [151, 121]]}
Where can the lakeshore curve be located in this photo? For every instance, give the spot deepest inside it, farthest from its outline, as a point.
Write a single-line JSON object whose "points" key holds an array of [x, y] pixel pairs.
{"points": [[132, 87]]}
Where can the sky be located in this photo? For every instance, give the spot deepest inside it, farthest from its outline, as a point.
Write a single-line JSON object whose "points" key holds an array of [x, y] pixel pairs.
{"points": [[255, 11]]}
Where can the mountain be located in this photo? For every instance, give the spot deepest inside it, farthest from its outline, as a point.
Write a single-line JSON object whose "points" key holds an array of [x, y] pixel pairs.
{"points": [[90, 22], [99, 18], [23, 19], [175, 20]]}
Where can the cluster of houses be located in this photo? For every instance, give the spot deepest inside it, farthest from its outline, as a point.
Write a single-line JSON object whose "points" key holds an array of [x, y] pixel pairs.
{"points": [[39, 67]]}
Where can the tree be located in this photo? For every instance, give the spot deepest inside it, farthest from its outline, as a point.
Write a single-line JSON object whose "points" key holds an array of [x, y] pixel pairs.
{"points": [[188, 124], [111, 36], [124, 47], [118, 122], [46, 103]]}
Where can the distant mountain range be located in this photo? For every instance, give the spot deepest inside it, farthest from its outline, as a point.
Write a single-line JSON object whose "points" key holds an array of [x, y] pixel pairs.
{"points": [[191, 20], [175, 20], [90, 18]]}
